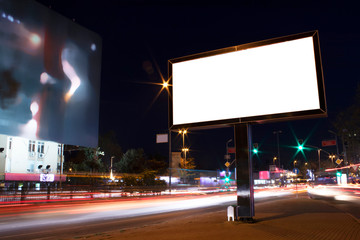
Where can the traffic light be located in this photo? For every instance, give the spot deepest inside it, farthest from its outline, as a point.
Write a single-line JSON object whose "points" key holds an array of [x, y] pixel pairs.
{"points": [[227, 179], [255, 148], [300, 144]]}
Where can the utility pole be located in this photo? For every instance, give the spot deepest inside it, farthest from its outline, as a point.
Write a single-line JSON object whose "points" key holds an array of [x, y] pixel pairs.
{"points": [[278, 145]]}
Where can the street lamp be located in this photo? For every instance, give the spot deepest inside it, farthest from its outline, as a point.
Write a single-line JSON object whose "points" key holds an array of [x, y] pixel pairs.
{"points": [[227, 149], [183, 132], [278, 145], [332, 156], [227, 156], [337, 146], [165, 84], [111, 168], [185, 150]]}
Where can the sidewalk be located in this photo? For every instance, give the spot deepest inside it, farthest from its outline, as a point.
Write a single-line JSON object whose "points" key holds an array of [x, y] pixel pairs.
{"points": [[297, 218]]}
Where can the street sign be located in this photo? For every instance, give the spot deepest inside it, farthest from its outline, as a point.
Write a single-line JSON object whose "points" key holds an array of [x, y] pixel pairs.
{"points": [[227, 164], [338, 161], [227, 157], [326, 143], [296, 170], [231, 149]]}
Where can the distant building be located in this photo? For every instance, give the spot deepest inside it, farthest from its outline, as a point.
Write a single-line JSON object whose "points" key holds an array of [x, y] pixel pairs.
{"points": [[23, 159]]}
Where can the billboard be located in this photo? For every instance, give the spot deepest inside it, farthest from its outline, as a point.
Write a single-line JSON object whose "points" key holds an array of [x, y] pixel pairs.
{"points": [[49, 75], [162, 138], [256, 82], [264, 175]]}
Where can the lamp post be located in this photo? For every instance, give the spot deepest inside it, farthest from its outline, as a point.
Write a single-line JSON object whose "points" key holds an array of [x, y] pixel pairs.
{"points": [[278, 145], [183, 132], [337, 146], [301, 147], [111, 168], [227, 145], [332, 156], [227, 149], [165, 85], [61, 164], [274, 160], [227, 156], [185, 150]]}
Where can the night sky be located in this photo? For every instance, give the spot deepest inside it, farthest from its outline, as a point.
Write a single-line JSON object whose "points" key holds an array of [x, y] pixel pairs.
{"points": [[139, 37]]}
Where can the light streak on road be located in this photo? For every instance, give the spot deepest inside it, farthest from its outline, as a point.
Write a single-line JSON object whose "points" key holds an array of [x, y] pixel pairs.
{"points": [[65, 213], [337, 192], [105, 210]]}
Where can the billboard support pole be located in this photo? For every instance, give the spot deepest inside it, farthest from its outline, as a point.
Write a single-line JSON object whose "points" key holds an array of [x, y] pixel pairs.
{"points": [[170, 161], [244, 179]]}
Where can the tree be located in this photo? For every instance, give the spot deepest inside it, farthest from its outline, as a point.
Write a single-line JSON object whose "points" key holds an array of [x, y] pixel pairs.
{"points": [[84, 159], [347, 125], [111, 148], [185, 166], [92, 160], [157, 163], [148, 178], [189, 163], [133, 161]]}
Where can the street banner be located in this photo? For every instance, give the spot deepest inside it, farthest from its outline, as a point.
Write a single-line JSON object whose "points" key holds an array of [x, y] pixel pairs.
{"points": [[326, 143]]}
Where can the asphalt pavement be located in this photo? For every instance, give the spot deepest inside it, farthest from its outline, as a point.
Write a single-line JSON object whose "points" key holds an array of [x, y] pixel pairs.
{"points": [[299, 218]]}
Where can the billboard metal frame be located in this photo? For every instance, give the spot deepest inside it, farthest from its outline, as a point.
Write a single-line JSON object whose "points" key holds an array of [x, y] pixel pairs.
{"points": [[242, 126], [321, 112]]}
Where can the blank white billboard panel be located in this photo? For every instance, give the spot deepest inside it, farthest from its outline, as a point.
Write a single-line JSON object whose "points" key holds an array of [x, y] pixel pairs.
{"points": [[271, 79]]}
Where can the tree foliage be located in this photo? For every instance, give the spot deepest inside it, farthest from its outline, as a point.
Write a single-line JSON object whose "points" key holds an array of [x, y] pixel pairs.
{"points": [[82, 159], [133, 161], [347, 125], [189, 163], [157, 163], [112, 149]]}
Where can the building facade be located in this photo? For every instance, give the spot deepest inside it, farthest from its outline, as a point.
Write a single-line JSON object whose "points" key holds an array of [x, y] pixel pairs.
{"points": [[24, 159]]}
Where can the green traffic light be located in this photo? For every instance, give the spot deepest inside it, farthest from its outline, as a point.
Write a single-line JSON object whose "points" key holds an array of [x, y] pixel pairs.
{"points": [[255, 150], [227, 179], [300, 144]]}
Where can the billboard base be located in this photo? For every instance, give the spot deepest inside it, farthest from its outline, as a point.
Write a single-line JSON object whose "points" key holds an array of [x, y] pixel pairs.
{"points": [[243, 164]]}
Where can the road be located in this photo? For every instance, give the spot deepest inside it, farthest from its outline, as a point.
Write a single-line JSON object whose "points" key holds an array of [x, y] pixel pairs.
{"points": [[68, 219], [345, 198], [65, 219]]}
